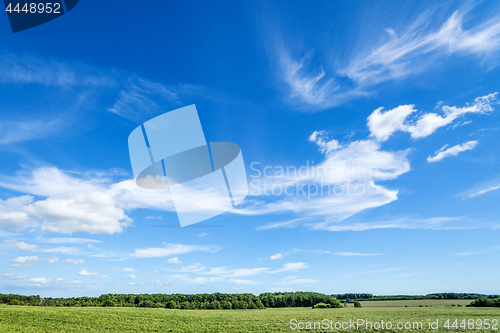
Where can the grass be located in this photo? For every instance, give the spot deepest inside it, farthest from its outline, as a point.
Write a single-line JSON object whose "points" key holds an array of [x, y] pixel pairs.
{"points": [[415, 303], [55, 319]]}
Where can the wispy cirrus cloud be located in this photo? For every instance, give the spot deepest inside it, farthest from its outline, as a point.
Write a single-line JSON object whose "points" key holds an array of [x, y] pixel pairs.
{"points": [[71, 91], [435, 223], [356, 254], [377, 271], [482, 188], [289, 280], [452, 151], [140, 98], [170, 249], [404, 53]]}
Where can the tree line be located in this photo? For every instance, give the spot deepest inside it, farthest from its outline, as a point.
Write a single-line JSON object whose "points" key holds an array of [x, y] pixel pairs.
{"points": [[217, 301], [349, 298], [230, 301], [486, 302]]}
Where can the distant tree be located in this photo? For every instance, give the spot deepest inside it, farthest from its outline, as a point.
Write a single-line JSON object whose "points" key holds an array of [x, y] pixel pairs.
{"points": [[485, 302], [171, 304], [226, 305], [321, 306], [357, 304], [15, 301]]}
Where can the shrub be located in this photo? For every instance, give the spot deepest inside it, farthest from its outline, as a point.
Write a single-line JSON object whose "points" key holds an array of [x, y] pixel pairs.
{"points": [[357, 304], [321, 306]]}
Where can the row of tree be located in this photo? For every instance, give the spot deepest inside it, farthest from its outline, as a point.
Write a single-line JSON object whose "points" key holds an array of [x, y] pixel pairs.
{"points": [[370, 297], [182, 301], [486, 302], [230, 301]]}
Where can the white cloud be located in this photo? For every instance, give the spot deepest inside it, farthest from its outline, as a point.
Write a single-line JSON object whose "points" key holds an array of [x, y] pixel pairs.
{"points": [[275, 225], [127, 269], [52, 260], [428, 123], [151, 273], [326, 145], [12, 276], [241, 281], [240, 272], [435, 223], [11, 215], [174, 260], [131, 276], [85, 273], [24, 261], [169, 249], [452, 151], [141, 98], [338, 187], [185, 278], [28, 69], [394, 59], [25, 247], [276, 256], [412, 50], [482, 188], [44, 281], [133, 284], [80, 212], [50, 181], [203, 234], [204, 280], [76, 282], [160, 283], [39, 280], [355, 254], [294, 280], [383, 124], [376, 271], [74, 204], [68, 240], [35, 248], [74, 261], [196, 267], [291, 266]]}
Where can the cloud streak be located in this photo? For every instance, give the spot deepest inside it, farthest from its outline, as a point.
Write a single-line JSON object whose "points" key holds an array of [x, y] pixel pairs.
{"points": [[452, 151], [412, 50]]}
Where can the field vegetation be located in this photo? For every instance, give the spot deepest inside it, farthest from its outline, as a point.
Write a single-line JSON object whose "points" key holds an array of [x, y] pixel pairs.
{"points": [[135, 319]]}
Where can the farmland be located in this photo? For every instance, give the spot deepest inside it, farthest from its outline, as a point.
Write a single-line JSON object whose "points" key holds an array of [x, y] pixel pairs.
{"points": [[415, 303], [118, 319]]}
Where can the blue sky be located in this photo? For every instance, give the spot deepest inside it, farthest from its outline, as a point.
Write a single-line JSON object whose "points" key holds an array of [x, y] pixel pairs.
{"points": [[398, 101]]}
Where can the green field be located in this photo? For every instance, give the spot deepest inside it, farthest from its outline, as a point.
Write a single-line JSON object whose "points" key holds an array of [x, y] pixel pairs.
{"points": [[63, 319], [415, 303]]}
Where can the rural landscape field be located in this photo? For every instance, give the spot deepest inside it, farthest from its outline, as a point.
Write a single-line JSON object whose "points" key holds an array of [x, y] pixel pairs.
{"points": [[59, 319], [250, 166]]}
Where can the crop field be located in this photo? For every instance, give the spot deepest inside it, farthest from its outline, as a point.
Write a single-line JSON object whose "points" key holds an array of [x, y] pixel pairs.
{"points": [[415, 303], [115, 319]]}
